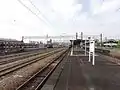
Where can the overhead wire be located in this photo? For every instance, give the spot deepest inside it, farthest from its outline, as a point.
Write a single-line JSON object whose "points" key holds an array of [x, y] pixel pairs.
{"points": [[32, 11], [39, 11], [46, 20]]}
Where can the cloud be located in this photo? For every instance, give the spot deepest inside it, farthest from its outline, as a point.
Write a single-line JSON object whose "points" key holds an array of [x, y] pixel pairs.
{"points": [[61, 16], [109, 6], [17, 21]]}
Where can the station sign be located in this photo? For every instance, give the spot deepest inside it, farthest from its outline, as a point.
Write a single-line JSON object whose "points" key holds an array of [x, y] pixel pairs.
{"points": [[92, 51], [92, 45]]}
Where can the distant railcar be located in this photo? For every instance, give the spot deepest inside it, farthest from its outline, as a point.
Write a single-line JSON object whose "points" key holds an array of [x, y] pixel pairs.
{"points": [[9, 46], [30, 45], [49, 45]]}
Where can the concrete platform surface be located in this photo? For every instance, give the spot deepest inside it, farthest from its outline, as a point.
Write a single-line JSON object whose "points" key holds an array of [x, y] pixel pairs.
{"points": [[76, 73]]}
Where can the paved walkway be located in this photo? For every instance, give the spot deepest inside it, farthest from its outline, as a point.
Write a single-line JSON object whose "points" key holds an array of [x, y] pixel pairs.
{"points": [[78, 74]]}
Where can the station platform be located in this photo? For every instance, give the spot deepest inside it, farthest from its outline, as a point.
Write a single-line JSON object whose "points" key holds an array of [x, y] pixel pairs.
{"points": [[76, 73]]}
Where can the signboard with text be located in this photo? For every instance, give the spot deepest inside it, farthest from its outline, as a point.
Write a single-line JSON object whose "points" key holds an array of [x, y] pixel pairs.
{"points": [[92, 46]]}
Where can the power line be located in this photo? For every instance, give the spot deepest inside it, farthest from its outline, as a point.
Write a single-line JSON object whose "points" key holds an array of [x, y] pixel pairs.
{"points": [[39, 11], [31, 11]]}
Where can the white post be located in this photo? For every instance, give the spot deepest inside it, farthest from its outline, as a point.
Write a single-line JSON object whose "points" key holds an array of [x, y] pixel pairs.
{"points": [[85, 48], [89, 56], [72, 49], [93, 53], [89, 52], [93, 62]]}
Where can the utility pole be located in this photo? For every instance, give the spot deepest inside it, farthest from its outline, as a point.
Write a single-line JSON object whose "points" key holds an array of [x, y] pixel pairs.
{"points": [[81, 35], [22, 38], [81, 43], [76, 35], [46, 37]]}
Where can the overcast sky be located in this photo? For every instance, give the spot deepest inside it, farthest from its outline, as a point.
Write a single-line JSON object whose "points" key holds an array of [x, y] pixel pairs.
{"points": [[57, 17]]}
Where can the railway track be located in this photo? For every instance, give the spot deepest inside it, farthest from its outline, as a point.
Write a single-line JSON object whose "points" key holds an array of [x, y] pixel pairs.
{"points": [[9, 69], [37, 81], [20, 56], [22, 53]]}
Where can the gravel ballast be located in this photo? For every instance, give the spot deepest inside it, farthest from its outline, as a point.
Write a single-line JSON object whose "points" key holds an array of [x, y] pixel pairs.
{"points": [[15, 79]]}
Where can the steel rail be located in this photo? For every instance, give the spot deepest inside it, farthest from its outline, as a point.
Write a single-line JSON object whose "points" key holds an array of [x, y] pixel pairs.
{"points": [[19, 57], [10, 69], [37, 81]]}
